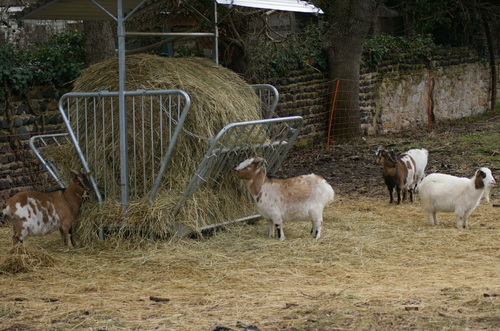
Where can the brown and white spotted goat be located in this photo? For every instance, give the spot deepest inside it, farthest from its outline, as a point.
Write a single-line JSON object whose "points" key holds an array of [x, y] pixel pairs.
{"points": [[278, 200], [34, 213]]}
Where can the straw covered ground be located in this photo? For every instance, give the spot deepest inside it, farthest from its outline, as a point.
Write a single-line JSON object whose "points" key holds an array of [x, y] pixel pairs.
{"points": [[376, 267]]}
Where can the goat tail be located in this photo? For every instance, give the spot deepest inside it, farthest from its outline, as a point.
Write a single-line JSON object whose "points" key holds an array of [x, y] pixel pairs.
{"points": [[331, 193]]}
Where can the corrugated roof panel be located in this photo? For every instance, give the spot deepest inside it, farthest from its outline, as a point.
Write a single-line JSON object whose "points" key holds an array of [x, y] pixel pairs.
{"points": [[77, 9], [285, 5], [87, 10]]}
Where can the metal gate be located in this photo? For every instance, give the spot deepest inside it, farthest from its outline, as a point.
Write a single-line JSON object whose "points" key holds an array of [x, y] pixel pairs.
{"points": [[157, 122], [268, 138]]}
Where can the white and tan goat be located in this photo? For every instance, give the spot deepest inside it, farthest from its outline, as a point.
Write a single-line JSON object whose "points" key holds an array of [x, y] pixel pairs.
{"points": [[34, 213], [280, 200]]}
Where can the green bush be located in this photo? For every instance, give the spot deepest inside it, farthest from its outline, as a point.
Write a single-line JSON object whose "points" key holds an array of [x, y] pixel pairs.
{"points": [[270, 58], [57, 62], [15, 73], [384, 47]]}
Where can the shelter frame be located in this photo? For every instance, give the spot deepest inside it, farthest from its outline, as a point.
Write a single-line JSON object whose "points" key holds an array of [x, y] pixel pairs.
{"points": [[120, 17]]}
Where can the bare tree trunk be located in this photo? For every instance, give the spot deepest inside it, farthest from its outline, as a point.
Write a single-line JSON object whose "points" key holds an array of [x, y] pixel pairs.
{"points": [[99, 41], [349, 22]]}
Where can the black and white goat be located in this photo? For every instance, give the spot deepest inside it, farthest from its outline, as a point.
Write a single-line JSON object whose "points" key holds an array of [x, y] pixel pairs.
{"points": [[403, 172]]}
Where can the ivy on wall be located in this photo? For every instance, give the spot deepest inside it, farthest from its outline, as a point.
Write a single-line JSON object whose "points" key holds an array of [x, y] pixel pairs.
{"points": [[382, 47], [270, 59], [56, 63]]}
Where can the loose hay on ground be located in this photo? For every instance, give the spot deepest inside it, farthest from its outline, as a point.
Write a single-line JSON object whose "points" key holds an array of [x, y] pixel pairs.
{"points": [[21, 259], [370, 264], [376, 267]]}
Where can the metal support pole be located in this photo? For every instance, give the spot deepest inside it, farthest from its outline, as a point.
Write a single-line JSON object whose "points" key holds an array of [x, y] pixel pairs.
{"points": [[215, 46], [122, 106]]}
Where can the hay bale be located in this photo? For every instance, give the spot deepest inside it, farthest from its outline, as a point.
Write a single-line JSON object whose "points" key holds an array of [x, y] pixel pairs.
{"points": [[22, 259], [218, 97]]}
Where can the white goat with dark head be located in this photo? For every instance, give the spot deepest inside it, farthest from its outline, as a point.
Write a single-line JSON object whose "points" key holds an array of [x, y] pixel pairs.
{"points": [[34, 213], [279, 200], [447, 193]]}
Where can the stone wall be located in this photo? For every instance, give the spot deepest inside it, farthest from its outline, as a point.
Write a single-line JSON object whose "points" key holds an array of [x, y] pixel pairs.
{"points": [[396, 97], [20, 119], [455, 85], [305, 93]]}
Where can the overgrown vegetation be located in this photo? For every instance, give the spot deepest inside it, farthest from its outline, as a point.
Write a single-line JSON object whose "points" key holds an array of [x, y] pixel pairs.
{"points": [[271, 58], [451, 22], [382, 47], [56, 63]]}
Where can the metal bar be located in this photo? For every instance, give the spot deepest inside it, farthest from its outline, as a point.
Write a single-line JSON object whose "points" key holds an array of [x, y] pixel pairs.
{"points": [[287, 148], [134, 10], [143, 142], [85, 129], [45, 164], [95, 131], [218, 225], [113, 147], [160, 108], [215, 46], [124, 182], [134, 147], [194, 10], [178, 130], [276, 97], [104, 158], [77, 115], [78, 150], [105, 10], [151, 137], [171, 34]]}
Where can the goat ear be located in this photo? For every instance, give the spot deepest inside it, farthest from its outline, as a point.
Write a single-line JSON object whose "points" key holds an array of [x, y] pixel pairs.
{"points": [[394, 157], [478, 183], [258, 161]]}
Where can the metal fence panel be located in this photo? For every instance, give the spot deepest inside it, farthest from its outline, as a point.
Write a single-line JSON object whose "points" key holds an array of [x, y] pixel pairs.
{"points": [[269, 98], [268, 138], [157, 120], [156, 114]]}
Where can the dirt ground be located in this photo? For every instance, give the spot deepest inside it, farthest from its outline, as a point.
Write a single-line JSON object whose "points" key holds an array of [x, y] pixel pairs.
{"points": [[456, 148], [376, 266]]}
